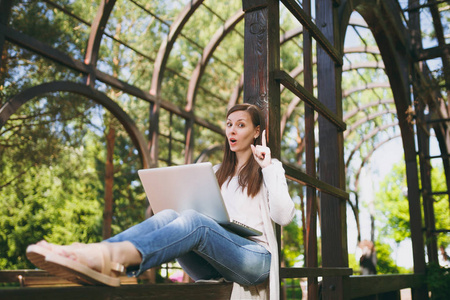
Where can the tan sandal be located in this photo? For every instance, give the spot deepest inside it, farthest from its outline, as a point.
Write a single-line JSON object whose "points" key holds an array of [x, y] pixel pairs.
{"points": [[77, 270], [36, 254]]}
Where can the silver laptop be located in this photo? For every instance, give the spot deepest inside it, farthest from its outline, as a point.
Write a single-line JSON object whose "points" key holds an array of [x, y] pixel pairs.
{"points": [[191, 186]]}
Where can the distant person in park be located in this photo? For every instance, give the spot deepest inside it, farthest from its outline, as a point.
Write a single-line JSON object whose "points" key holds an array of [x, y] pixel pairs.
{"points": [[444, 259], [254, 189], [368, 259]]}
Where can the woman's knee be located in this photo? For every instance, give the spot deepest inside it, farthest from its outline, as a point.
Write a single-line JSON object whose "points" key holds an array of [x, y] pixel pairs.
{"points": [[169, 213], [163, 217], [256, 269], [195, 219], [191, 214]]}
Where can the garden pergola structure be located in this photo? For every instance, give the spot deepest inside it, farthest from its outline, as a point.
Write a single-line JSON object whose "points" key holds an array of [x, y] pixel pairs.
{"points": [[263, 79]]}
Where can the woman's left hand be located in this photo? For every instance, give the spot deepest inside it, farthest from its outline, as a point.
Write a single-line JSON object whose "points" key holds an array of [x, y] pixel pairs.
{"points": [[261, 153]]}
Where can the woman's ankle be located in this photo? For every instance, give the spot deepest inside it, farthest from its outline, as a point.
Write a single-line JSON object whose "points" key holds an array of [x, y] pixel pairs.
{"points": [[124, 253]]}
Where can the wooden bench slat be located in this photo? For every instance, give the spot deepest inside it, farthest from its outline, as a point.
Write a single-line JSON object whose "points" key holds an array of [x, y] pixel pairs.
{"points": [[185, 291], [40, 278]]}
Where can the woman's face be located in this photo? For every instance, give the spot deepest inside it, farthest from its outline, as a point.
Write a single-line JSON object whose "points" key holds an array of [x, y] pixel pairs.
{"points": [[240, 131]]}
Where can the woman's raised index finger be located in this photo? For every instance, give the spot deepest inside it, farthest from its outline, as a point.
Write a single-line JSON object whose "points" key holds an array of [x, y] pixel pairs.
{"points": [[263, 138]]}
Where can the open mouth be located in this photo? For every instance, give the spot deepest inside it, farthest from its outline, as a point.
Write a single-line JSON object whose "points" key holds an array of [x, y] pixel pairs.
{"points": [[232, 141]]}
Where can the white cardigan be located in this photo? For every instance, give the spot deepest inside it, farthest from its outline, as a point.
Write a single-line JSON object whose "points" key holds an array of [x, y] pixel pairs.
{"points": [[276, 207]]}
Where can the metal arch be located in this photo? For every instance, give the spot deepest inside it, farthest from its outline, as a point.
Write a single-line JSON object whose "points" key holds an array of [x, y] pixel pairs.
{"points": [[158, 72], [293, 104], [207, 152], [360, 108], [371, 134], [198, 73], [166, 46], [298, 70], [366, 138], [216, 39], [295, 101], [290, 109], [367, 157], [289, 35], [370, 86], [344, 17], [21, 98], [61, 58], [95, 36], [384, 21], [357, 22], [354, 207], [364, 65], [236, 92], [362, 49], [368, 118]]}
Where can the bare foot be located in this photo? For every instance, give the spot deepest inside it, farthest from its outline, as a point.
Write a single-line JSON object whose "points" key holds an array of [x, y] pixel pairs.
{"points": [[122, 254], [86, 254], [85, 264], [60, 249]]}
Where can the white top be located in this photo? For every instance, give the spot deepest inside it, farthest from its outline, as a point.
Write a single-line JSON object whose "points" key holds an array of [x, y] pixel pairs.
{"points": [[273, 204], [243, 209]]}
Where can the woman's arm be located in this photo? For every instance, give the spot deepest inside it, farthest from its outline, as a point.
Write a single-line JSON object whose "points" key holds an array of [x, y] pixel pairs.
{"points": [[281, 206]]}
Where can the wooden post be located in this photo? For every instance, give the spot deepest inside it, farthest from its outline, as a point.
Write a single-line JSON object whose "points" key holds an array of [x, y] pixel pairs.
{"points": [[261, 60], [423, 141], [333, 210], [310, 161]]}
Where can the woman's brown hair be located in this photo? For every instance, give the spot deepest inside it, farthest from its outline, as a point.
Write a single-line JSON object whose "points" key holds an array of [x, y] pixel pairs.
{"points": [[250, 176]]}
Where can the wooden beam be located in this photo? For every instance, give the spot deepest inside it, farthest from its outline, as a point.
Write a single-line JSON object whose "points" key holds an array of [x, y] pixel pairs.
{"points": [[314, 272], [78, 66], [361, 286], [296, 88], [431, 53], [294, 173], [185, 291], [306, 21]]}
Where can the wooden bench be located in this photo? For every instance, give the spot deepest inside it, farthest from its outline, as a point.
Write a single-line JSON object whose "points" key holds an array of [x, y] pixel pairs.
{"points": [[37, 284], [40, 278]]}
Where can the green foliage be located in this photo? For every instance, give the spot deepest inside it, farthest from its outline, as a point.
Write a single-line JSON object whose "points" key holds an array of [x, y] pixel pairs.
{"points": [[44, 204], [392, 205], [352, 262], [292, 234], [293, 288], [292, 243], [392, 214], [385, 263], [52, 150], [441, 207], [438, 281]]}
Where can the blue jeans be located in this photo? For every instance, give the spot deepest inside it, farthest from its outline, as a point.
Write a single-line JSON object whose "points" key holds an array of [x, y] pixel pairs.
{"points": [[203, 248]]}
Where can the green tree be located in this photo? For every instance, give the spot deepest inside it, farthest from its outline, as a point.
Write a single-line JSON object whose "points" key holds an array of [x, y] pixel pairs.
{"points": [[392, 213]]}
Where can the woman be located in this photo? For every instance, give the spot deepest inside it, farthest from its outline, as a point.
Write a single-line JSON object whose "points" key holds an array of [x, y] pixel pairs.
{"points": [[254, 189]]}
